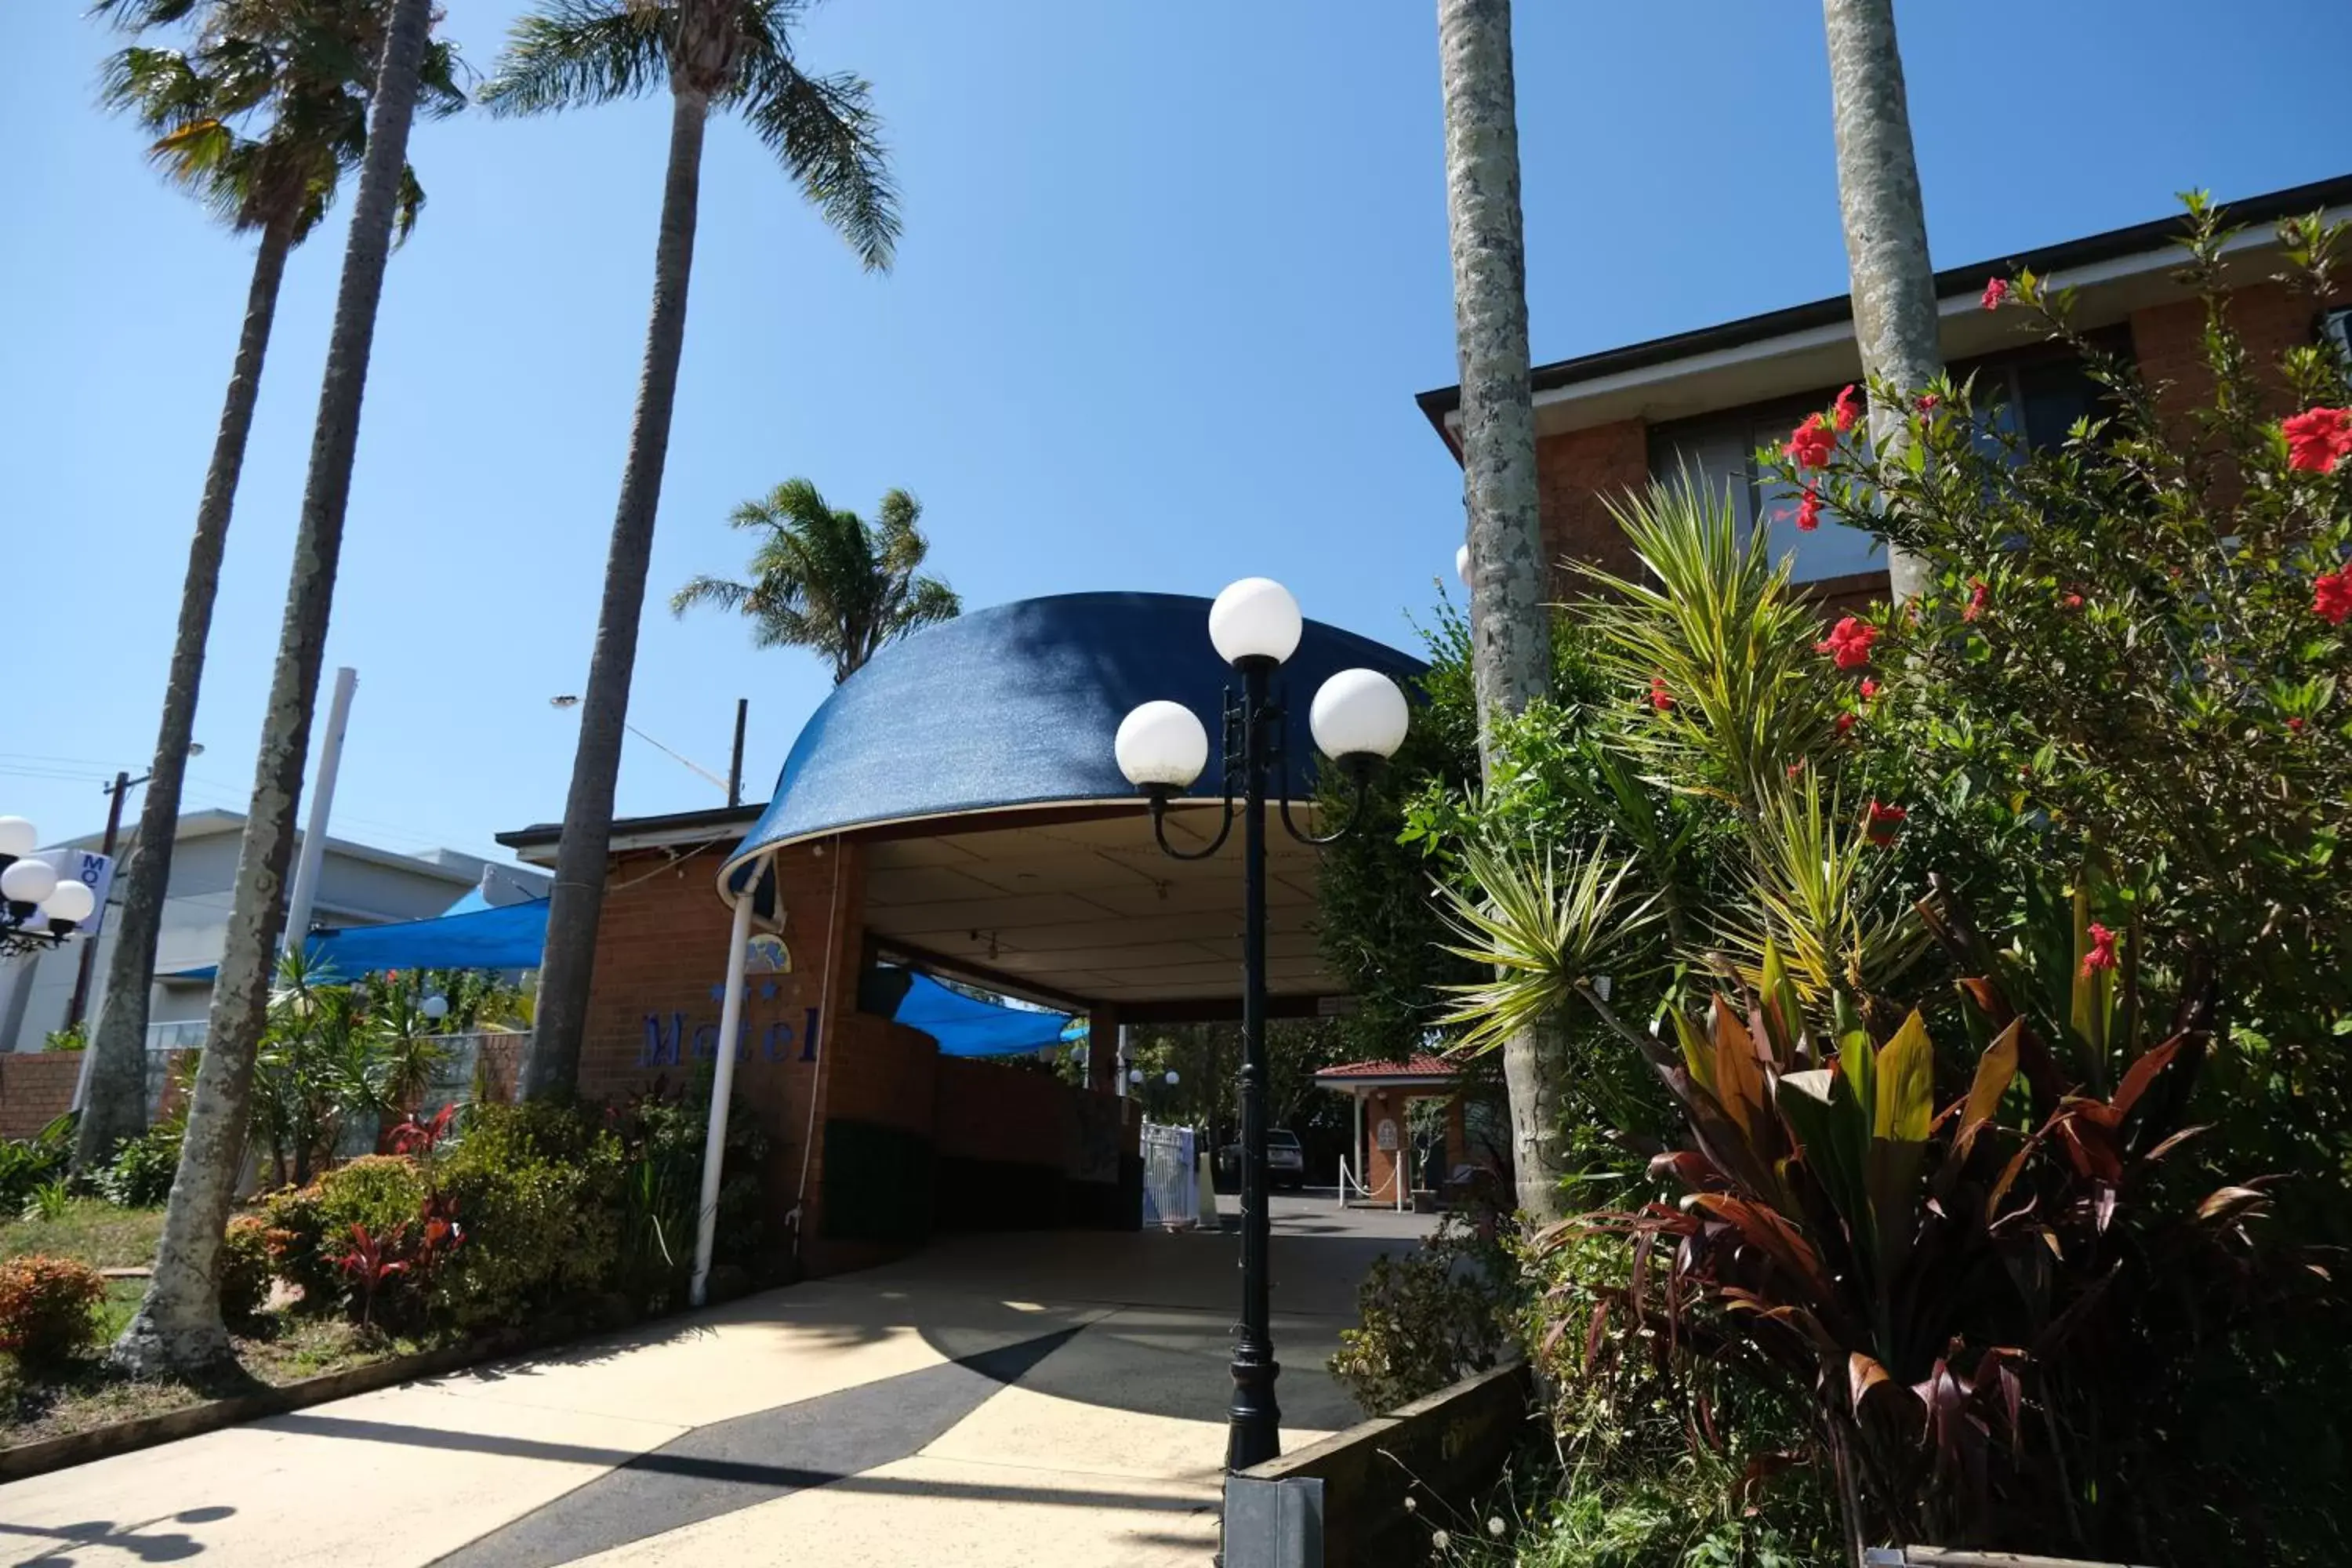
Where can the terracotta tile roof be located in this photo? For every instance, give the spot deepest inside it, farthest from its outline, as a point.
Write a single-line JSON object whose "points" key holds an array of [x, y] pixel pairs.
{"points": [[1420, 1066]]}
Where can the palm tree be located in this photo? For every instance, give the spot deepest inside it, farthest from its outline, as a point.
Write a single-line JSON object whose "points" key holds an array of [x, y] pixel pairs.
{"points": [[830, 581], [259, 119], [1510, 635], [1886, 230], [178, 1326], [711, 54]]}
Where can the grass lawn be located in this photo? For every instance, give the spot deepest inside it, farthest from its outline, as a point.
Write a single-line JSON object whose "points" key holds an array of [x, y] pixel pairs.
{"points": [[91, 1229]]}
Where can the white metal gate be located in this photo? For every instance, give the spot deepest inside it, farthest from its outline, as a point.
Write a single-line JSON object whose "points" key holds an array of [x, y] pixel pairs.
{"points": [[1171, 1191]]}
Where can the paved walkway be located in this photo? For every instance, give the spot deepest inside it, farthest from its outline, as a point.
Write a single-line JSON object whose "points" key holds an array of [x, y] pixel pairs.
{"points": [[999, 1400]]}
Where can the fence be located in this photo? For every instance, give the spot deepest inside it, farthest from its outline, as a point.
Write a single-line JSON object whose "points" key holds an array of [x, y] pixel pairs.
{"points": [[1171, 1187], [486, 1061]]}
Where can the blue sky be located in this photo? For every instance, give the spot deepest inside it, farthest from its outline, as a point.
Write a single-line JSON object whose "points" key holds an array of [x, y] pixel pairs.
{"points": [[1170, 278]]}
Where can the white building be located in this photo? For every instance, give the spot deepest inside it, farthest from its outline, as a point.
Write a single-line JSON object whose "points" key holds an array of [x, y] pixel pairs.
{"points": [[358, 885]]}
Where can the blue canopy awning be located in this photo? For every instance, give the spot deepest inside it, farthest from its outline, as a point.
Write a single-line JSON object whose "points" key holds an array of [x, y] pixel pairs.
{"points": [[967, 1026], [509, 938]]}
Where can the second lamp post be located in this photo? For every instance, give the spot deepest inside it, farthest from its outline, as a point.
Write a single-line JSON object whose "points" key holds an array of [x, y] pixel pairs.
{"points": [[1358, 719]]}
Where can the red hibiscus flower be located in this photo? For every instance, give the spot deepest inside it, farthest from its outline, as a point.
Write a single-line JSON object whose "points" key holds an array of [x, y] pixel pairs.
{"points": [[1796, 767], [1846, 721], [1884, 821], [1810, 445], [1977, 593], [1869, 686], [1844, 411], [2295, 724], [1809, 510], [2103, 949], [2073, 601], [1849, 643], [1995, 291], [1661, 697], [2331, 595], [1929, 402], [2318, 438]]}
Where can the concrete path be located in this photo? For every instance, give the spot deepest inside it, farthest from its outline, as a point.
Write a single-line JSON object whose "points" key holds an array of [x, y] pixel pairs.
{"points": [[1027, 1398]]}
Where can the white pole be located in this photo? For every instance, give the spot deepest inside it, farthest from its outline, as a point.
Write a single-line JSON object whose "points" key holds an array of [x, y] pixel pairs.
{"points": [[323, 800], [722, 1088]]}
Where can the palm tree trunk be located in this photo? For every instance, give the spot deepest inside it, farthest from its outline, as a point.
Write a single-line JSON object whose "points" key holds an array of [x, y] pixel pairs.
{"points": [[1886, 231], [178, 1326], [551, 1065], [1510, 634], [115, 1107]]}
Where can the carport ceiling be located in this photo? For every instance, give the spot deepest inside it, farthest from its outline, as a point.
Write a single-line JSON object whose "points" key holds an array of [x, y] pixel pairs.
{"points": [[1081, 905]]}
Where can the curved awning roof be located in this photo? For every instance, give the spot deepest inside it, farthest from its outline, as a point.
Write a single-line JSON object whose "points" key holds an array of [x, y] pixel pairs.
{"points": [[1014, 707]]}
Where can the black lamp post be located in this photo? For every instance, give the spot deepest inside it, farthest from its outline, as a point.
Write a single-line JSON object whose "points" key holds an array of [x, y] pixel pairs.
{"points": [[1358, 719], [38, 909]]}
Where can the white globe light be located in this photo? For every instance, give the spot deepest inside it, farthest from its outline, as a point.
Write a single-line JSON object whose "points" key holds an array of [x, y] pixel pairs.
{"points": [[72, 902], [435, 1008], [29, 881], [1462, 565], [16, 837], [1172, 1077], [1255, 618], [1135, 1075], [1358, 712], [1161, 743]]}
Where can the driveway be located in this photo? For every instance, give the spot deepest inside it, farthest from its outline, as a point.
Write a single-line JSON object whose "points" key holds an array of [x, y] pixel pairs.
{"points": [[1006, 1399]]}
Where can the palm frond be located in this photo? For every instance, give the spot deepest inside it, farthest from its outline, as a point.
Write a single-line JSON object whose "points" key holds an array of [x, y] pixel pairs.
{"points": [[714, 590], [825, 131], [1714, 619], [569, 54], [1544, 936]]}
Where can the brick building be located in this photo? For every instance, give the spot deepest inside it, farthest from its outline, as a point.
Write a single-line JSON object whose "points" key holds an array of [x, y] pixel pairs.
{"points": [[1703, 401], [955, 807]]}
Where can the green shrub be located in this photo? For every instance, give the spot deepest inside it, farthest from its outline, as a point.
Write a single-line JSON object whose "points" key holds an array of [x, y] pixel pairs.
{"points": [[27, 1164], [246, 1265], [48, 1307], [536, 1190], [139, 1174], [308, 1228], [661, 1186], [1431, 1317]]}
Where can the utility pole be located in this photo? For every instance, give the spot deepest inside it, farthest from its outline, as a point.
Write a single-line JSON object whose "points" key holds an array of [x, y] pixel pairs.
{"points": [[323, 800], [74, 1009], [735, 767]]}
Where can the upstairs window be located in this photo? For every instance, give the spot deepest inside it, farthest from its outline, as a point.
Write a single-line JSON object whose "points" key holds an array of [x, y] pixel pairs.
{"points": [[2040, 393]]}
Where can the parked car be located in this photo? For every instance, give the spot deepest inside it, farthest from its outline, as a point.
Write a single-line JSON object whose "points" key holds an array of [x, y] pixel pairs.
{"points": [[1286, 1162]]}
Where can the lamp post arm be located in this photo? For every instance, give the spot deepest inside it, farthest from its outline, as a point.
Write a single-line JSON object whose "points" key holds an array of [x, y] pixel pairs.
{"points": [[1362, 780], [1160, 829]]}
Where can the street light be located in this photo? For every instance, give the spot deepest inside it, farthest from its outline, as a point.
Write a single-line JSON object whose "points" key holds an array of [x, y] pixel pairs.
{"points": [[38, 909], [1358, 719]]}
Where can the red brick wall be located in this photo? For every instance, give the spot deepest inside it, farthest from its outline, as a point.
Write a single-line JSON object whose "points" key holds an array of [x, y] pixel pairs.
{"points": [[1576, 473], [36, 1089], [2168, 341]]}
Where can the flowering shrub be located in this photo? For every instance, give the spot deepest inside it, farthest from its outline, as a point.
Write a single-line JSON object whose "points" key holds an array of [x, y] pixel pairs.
{"points": [[308, 1228], [246, 1264], [48, 1307], [2137, 663]]}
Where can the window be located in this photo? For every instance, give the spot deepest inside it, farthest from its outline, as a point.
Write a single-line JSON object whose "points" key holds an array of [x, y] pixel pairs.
{"points": [[2338, 328], [2042, 392]]}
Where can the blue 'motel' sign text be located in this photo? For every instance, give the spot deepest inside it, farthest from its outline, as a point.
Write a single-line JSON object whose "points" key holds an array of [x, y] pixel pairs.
{"points": [[667, 1040]]}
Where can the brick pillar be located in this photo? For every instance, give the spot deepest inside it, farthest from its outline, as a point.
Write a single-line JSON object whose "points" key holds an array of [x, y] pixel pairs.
{"points": [[1102, 1048], [1381, 1163]]}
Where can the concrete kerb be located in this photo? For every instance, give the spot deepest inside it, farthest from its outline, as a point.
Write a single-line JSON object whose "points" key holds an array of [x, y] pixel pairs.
{"points": [[1440, 1450]]}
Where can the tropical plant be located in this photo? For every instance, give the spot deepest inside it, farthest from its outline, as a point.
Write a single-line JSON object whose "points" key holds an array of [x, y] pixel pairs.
{"points": [[710, 54], [541, 1188], [1895, 324], [1510, 645], [827, 580], [27, 1164], [1981, 1303], [178, 1326], [258, 117], [140, 1174]]}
